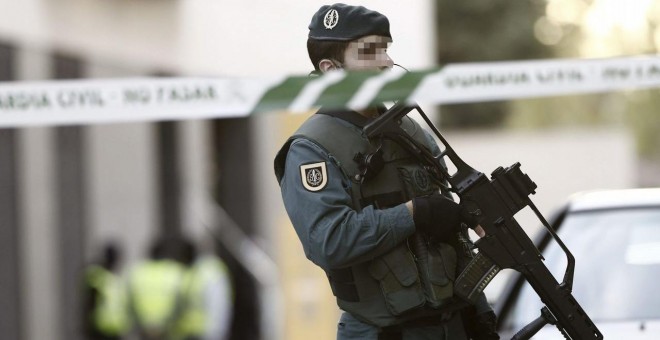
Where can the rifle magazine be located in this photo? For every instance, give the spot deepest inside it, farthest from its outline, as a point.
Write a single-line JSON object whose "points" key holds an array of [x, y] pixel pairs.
{"points": [[475, 277]]}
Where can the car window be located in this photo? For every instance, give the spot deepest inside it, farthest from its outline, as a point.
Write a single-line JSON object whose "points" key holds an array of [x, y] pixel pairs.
{"points": [[617, 256]]}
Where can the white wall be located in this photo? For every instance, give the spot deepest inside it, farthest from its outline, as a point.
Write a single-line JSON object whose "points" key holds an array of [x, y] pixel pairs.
{"points": [[201, 37], [137, 37], [260, 37]]}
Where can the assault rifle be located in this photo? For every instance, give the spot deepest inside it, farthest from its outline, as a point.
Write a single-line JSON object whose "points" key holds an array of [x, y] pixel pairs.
{"points": [[494, 202]]}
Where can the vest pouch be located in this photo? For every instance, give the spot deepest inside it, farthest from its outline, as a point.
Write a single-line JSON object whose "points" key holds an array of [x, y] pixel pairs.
{"points": [[442, 273], [399, 281], [415, 180]]}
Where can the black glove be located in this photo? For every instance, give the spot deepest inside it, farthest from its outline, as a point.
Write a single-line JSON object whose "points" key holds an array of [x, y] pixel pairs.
{"points": [[439, 216], [480, 326]]}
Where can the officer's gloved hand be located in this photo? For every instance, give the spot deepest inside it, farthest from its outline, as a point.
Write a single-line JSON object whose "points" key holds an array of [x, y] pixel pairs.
{"points": [[480, 326], [439, 216]]}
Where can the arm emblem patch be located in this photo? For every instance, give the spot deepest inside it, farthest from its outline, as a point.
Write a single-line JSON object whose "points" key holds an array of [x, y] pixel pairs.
{"points": [[314, 176]]}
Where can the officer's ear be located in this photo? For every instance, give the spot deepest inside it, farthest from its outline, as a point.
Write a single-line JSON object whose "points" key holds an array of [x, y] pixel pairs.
{"points": [[326, 65]]}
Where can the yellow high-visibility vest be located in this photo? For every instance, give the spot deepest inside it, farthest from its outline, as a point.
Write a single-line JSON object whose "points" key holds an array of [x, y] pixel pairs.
{"points": [[109, 316], [155, 291], [194, 317]]}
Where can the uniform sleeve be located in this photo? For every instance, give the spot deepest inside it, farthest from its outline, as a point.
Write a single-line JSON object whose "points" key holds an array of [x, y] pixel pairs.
{"points": [[332, 233]]}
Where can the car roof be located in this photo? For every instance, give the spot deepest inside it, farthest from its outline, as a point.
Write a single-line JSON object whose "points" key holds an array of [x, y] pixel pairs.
{"points": [[614, 199]]}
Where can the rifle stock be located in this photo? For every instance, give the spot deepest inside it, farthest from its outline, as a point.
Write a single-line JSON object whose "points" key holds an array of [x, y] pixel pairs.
{"points": [[494, 202]]}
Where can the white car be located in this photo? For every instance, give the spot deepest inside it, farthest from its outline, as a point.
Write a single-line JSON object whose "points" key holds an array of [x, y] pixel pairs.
{"points": [[615, 238]]}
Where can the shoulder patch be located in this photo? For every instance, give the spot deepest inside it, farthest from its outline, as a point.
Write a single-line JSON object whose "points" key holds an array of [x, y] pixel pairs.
{"points": [[314, 176]]}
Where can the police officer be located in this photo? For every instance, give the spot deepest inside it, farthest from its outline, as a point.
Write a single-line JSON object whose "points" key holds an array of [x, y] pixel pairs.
{"points": [[367, 212]]}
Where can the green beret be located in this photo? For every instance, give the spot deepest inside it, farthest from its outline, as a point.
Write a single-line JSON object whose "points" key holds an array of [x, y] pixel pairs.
{"points": [[345, 23]]}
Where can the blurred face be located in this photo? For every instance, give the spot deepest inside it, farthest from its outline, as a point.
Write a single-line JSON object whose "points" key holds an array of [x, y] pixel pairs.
{"points": [[368, 54]]}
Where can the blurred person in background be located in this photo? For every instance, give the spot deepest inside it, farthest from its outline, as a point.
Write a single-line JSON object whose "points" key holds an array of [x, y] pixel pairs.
{"points": [[369, 213], [105, 303], [155, 288], [207, 298]]}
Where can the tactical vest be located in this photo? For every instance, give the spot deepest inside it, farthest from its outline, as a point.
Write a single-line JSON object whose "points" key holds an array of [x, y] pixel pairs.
{"points": [[413, 280]]}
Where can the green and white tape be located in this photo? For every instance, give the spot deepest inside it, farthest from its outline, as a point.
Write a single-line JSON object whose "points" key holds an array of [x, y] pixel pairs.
{"points": [[90, 101]]}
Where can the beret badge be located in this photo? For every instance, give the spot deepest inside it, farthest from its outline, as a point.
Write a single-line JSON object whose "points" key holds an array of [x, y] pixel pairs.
{"points": [[356, 22], [331, 19]]}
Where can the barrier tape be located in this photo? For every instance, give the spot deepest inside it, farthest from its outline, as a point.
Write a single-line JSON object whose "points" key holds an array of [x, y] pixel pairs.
{"points": [[89, 101]]}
